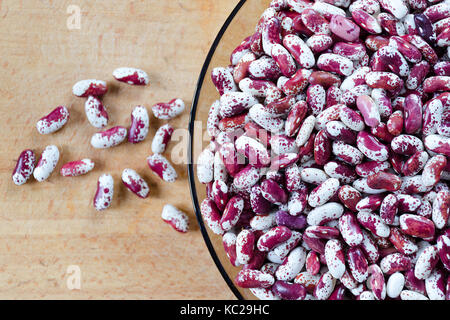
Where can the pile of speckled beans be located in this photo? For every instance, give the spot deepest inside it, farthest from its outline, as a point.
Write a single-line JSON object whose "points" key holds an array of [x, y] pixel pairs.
{"points": [[327, 172]]}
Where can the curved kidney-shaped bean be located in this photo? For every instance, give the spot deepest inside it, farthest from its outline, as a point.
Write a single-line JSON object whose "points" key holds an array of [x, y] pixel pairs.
{"points": [[273, 237], [417, 226], [254, 279]]}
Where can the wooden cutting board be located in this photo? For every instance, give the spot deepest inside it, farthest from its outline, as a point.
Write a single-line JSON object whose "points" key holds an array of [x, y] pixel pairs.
{"points": [[49, 232]]}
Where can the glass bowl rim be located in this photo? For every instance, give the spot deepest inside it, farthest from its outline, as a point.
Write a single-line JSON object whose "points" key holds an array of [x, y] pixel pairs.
{"points": [[191, 175]]}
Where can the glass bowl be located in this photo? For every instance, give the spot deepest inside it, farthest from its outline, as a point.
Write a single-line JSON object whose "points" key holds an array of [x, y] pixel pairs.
{"points": [[240, 24]]}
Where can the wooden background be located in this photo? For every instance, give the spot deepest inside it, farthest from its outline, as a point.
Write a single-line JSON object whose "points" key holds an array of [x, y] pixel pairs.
{"points": [[126, 252]]}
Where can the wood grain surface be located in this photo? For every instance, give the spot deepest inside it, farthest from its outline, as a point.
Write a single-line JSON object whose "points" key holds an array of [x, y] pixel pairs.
{"points": [[127, 252]]}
